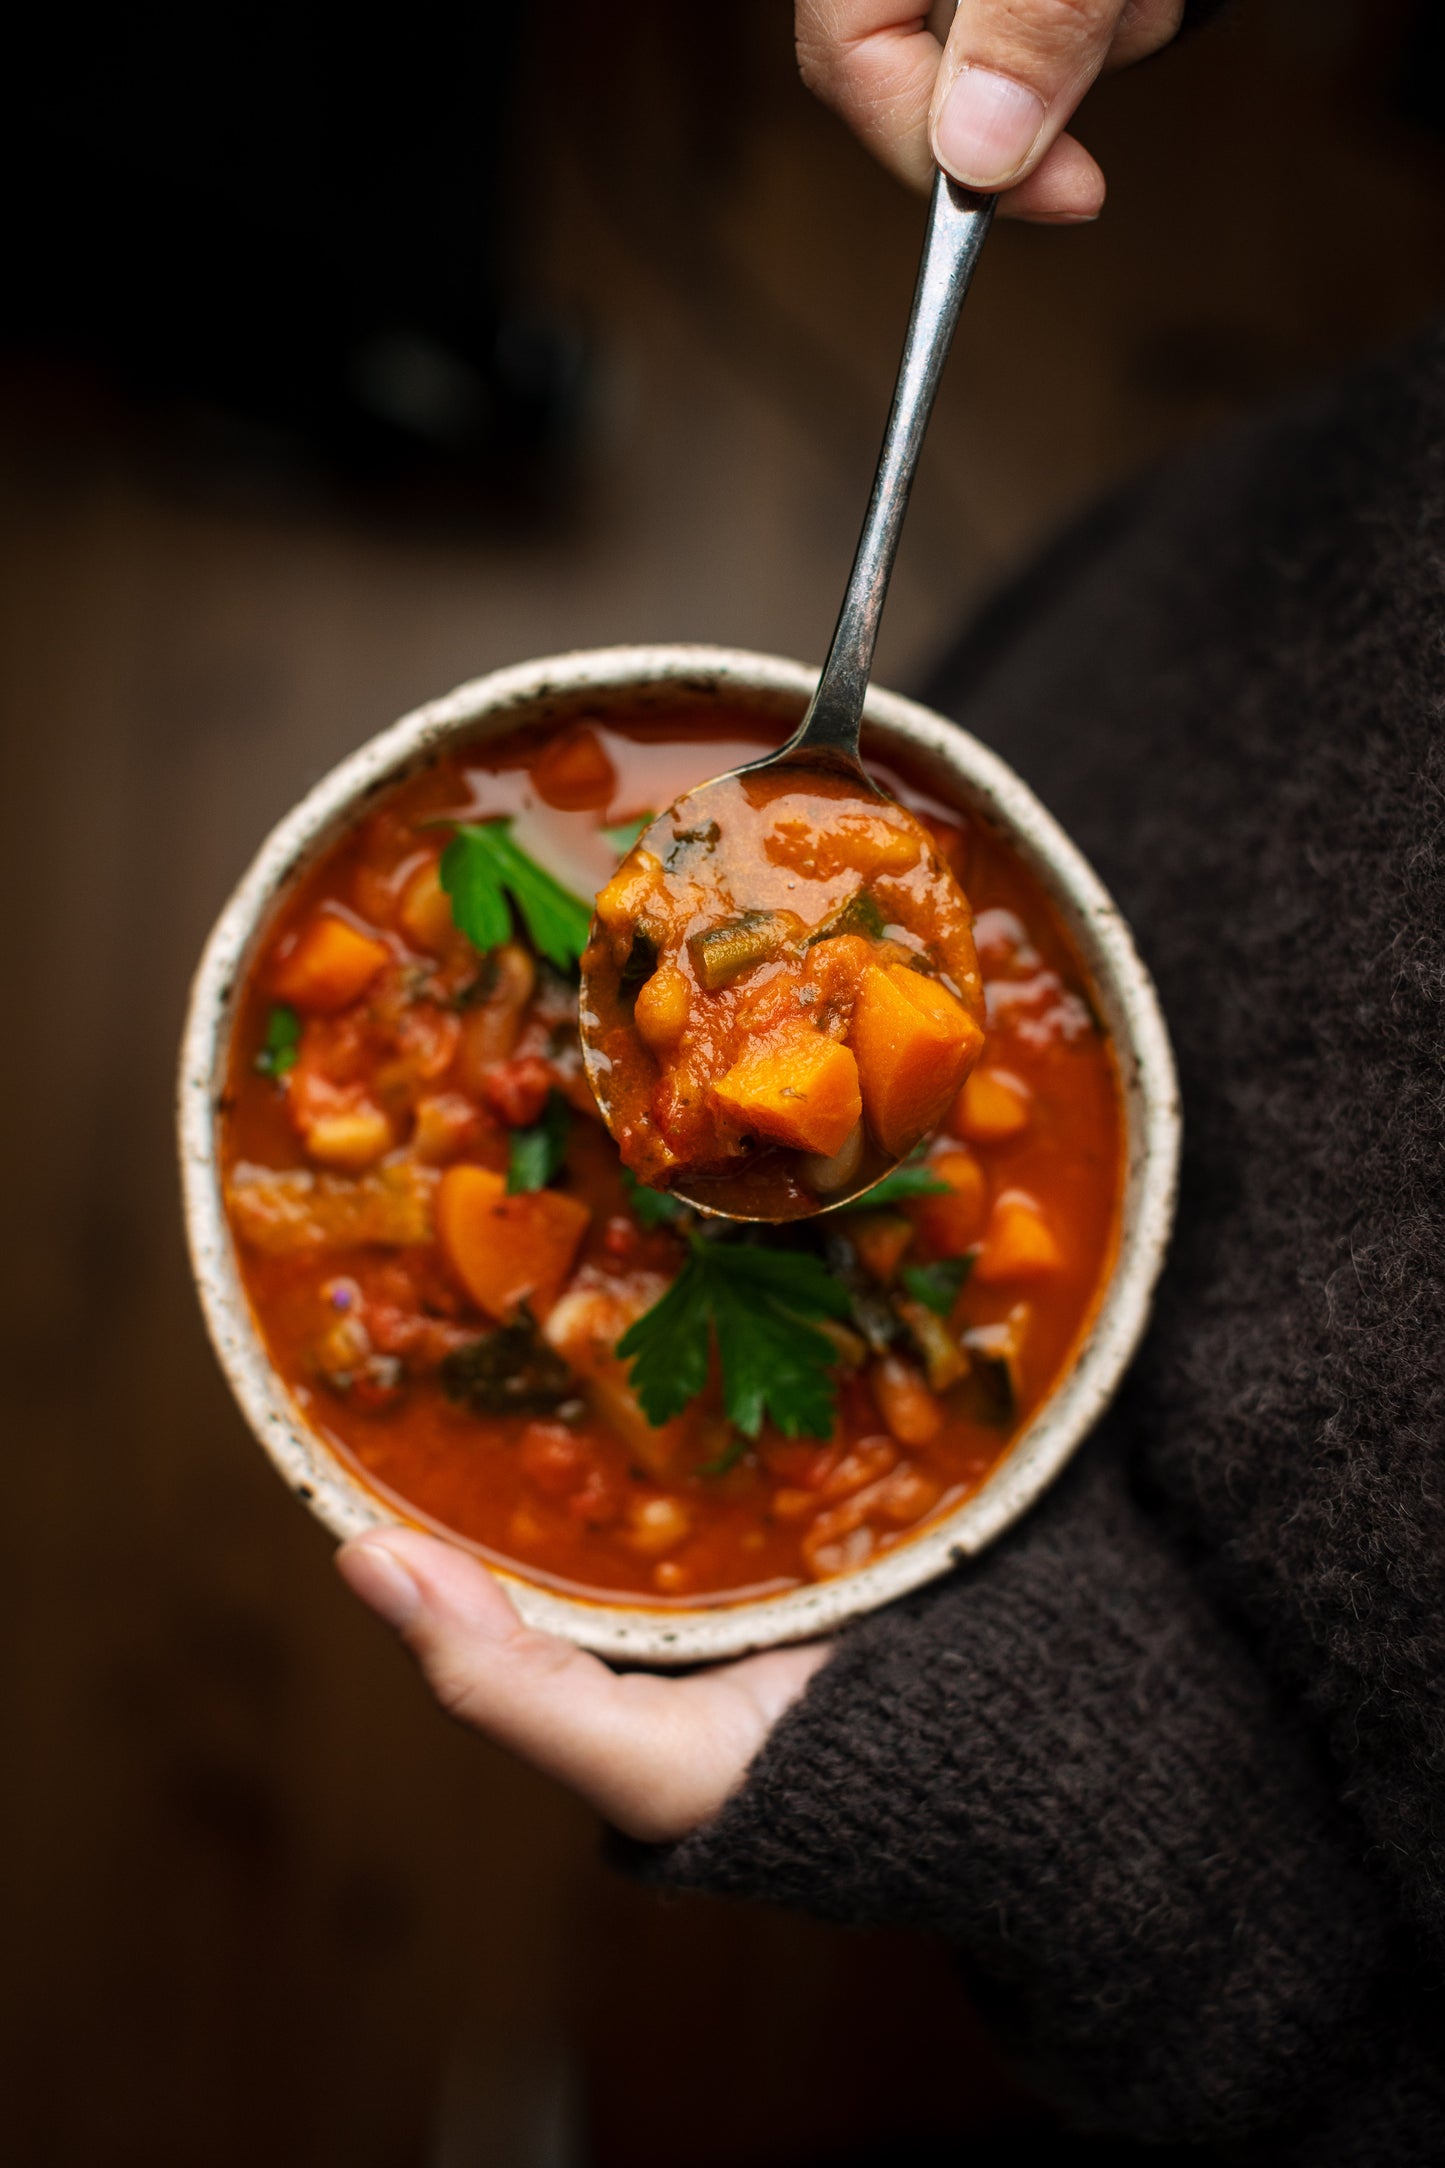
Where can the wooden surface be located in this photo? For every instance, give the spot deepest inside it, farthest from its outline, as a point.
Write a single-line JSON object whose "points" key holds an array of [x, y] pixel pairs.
{"points": [[264, 1903]]}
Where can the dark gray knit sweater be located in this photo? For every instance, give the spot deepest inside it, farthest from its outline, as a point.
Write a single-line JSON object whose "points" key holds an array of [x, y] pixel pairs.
{"points": [[1168, 1764]]}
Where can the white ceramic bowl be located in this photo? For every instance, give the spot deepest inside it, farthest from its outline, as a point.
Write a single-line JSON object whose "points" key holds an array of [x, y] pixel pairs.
{"points": [[945, 759]]}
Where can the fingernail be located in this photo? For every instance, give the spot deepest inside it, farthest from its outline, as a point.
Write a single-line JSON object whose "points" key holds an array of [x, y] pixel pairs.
{"points": [[381, 1581], [986, 127]]}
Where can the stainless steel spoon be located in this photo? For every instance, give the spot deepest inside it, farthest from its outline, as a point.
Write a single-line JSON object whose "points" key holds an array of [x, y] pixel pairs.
{"points": [[827, 738]]}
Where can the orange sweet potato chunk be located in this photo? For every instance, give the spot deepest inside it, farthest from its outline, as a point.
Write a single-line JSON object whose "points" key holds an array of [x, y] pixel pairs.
{"points": [[992, 1107], [331, 965], [507, 1250], [1019, 1244], [915, 1043], [949, 1222], [801, 1090]]}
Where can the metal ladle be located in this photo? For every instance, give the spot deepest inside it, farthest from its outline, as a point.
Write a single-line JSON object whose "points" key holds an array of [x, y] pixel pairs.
{"points": [[826, 740]]}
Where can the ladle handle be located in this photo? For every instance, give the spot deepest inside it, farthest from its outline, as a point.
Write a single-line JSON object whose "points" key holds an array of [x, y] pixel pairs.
{"points": [[957, 222]]}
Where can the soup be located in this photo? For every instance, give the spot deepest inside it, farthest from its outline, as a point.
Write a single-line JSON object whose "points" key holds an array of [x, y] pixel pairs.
{"points": [[500, 1329]]}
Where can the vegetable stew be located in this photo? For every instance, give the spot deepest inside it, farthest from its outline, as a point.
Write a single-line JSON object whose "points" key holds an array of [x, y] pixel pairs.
{"points": [[501, 1329]]}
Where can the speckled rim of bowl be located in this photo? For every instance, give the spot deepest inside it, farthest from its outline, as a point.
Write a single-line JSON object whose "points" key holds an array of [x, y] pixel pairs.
{"points": [[942, 756]]}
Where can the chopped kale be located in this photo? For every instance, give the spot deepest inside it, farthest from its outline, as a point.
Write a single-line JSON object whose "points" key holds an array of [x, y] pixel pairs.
{"points": [[509, 1371]]}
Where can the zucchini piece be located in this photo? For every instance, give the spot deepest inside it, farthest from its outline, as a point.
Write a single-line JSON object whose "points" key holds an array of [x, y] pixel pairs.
{"points": [[725, 952], [857, 913], [642, 957], [993, 1352]]}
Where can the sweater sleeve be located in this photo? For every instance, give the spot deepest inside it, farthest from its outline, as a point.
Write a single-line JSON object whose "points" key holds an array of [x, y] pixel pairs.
{"points": [[1060, 1761]]}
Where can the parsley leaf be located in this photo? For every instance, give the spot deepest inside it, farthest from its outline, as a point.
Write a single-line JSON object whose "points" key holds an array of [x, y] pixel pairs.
{"points": [[535, 1154], [755, 1303], [651, 1207], [626, 833], [668, 1346], [482, 867], [282, 1043], [936, 1286]]}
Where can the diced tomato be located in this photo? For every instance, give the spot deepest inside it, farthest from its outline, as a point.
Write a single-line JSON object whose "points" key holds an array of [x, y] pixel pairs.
{"points": [[800, 1462], [621, 1238], [599, 1501], [574, 771], [516, 1091], [554, 1459]]}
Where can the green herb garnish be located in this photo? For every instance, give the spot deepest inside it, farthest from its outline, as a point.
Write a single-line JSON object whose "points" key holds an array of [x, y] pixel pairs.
{"points": [[535, 1154], [937, 1286], [626, 833], [282, 1043], [753, 1302], [910, 1178], [482, 867], [729, 1457], [651, 1207]]}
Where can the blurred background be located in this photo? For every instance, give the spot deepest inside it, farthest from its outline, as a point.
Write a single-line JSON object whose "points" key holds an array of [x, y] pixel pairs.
{"points": [[340, 363]]}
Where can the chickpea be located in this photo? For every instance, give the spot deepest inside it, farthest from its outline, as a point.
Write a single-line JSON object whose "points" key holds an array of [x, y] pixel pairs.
{"points": [[663, 1006], [352, 1139], [657, 1524]]}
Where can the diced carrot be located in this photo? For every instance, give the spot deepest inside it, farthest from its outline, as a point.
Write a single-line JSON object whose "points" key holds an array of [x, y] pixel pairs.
{"points": [[948, 1223], [1020, 1244], [574, 771], [801, 1090], [881, 1239], [425, 914], [992, 1107], [915, 1043], [507, 1250], [331, 965]]}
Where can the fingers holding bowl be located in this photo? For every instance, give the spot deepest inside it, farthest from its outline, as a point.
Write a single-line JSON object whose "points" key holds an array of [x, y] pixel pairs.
{"points": [[654, 1756]]}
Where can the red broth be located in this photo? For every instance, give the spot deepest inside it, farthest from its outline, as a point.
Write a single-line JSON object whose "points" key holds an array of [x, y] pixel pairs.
{"points": [[387, 1075]]}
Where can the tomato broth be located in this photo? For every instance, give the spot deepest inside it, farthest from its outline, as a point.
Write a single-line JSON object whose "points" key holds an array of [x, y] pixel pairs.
{"points": [[499, 1328]]}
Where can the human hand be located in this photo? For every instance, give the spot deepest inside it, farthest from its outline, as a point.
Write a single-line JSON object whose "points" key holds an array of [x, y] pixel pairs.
{"points": [[655, 1756], [992, 104]]}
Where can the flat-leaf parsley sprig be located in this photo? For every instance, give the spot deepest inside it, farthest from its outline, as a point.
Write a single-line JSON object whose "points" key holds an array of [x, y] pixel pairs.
{"points": [[755, 1304], [482, 867], [281, 1048]]}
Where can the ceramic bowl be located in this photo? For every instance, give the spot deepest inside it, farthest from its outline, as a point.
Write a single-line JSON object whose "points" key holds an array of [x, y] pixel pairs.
{"points": [[944, 759]]}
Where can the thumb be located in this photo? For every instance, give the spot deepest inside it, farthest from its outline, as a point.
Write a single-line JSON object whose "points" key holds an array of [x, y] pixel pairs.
{"points": [[656, 1756], [1013, 73]]}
